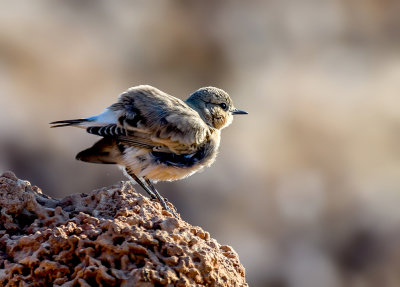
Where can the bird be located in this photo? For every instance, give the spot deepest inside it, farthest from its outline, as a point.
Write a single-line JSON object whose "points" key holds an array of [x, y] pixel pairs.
{"points": [[154, 136]]}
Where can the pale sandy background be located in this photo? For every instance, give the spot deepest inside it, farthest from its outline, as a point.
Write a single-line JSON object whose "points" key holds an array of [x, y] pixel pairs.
{"points": [[306, 187]]}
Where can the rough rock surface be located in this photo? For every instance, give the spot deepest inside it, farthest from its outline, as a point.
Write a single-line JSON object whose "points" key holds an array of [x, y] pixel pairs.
{"points": [[109, 237]]}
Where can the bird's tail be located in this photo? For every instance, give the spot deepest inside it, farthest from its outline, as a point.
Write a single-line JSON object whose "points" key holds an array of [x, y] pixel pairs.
{"points": [[65, 123], [103, 151]]}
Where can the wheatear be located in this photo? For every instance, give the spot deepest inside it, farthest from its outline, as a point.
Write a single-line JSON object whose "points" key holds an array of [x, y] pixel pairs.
{"points": [[157, 137]]}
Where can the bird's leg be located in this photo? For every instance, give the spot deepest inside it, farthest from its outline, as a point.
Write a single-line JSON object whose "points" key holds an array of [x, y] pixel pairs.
{"points": [[141, 183], [160, 198], [150, 190]]}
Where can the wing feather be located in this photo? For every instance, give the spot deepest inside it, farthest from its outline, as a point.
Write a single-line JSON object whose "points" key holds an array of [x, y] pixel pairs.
{"points": [[117, 133], [160, 118]]}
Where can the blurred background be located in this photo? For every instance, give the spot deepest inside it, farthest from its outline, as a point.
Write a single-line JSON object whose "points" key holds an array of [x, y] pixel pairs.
{"points": [[306, 187]]}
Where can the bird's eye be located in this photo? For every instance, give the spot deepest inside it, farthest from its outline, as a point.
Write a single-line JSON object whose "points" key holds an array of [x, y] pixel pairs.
{"points": [[223, 106]]}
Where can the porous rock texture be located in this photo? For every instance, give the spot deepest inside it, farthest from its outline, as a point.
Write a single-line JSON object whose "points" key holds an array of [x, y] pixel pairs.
{"points": [[108, 237]]}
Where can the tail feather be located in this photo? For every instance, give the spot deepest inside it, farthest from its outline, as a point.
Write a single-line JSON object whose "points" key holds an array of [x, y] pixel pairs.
{"points": [[103, 151], [66, 123]]}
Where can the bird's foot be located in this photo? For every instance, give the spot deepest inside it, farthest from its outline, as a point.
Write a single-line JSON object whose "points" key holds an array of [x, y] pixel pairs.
{"points": [[163, 202]]}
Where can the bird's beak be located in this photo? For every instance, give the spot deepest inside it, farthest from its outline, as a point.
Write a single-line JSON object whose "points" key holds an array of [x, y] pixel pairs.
{"points": [[239, 112]]}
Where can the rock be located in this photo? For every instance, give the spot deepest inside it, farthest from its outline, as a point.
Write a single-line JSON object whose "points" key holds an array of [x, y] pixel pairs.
{"points": [[108, 237]]}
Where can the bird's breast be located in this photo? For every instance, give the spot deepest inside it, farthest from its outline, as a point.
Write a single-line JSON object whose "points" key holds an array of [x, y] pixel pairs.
{"points": [[167, 166], [204, 153]]}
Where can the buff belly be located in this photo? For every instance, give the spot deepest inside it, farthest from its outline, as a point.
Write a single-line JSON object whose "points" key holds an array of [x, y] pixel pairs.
{"points": [[144, 164]]}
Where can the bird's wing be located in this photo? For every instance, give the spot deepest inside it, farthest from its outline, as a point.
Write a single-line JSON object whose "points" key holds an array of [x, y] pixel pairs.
{"points": [[113, 131], [148, 114]]}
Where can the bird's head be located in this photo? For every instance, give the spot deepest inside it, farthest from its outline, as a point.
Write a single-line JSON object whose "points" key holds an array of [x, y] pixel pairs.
{"points": [[214, 106]]}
